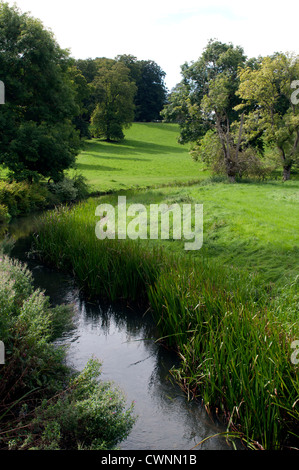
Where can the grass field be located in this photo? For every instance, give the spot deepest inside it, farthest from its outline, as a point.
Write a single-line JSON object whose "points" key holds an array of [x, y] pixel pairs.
{"points": [[149, 155], [252, 226]]}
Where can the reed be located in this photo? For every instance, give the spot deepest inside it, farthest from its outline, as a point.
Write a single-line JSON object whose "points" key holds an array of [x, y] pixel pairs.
{"points": [[232, 334]]}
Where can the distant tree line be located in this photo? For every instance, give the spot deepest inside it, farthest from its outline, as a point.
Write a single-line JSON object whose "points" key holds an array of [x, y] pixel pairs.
{"points": [[121, 90], [52, 101], [232, 109]]}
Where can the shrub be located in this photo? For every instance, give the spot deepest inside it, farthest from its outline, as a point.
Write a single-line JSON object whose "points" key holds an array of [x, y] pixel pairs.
{"points": [[89, 415], [64, 190], [4, 215], [22, 198], [70, 189], [248, 164], [80, 184]]}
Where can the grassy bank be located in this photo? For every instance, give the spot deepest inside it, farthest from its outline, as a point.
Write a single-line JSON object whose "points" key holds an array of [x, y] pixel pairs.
{"points": [[231, 324]]}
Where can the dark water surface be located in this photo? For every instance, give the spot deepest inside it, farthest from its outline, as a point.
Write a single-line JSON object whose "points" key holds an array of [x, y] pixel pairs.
{"points": [[125, 342]]}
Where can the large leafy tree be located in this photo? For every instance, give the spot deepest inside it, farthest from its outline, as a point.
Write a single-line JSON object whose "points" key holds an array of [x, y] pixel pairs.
{"points": [[205, 100], [37, 136], [114, 97], [269, 89], [151, 92]]}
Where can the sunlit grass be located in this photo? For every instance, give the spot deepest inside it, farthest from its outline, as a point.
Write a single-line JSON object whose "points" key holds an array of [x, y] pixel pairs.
{"points": [[149, 155]]}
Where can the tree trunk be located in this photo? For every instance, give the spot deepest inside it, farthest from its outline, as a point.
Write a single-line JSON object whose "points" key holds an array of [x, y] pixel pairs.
{"points": [[286, 164], [224, 140], [286, 173]]}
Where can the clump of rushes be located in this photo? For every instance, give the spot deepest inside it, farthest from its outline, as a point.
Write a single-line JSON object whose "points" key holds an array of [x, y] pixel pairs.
{"points": [[234, 352], [43, 404], [232, 333]]}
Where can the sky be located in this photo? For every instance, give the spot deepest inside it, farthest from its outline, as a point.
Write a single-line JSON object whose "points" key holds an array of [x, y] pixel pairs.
{"points": [[169, 32]]}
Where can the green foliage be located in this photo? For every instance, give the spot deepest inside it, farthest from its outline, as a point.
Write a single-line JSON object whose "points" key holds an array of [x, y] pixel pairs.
{"points": [[211, 80], [114, 94], [70, 189], [22, 198], [250, 164], [4, 215], [64, 190], [148, 77], [151, 91], [90, 415], [37, 135], [208, 150], [268, 90]]}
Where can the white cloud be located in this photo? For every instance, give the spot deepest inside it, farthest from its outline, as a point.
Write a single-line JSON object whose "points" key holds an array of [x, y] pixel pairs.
{"points": [[170, 32]]}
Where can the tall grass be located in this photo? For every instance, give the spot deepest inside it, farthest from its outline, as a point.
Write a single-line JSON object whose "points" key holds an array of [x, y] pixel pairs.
{"points": [[233, 335], [233, 354]]}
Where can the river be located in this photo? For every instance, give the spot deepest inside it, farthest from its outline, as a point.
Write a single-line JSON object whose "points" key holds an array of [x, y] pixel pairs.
{"points": [[125, 341]]}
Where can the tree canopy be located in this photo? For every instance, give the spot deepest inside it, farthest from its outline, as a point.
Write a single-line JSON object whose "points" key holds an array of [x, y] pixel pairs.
{"points": [[229, 107], [206, 99], [114, 97], [151, 90], [148, 77], [269, 89], [37, 136]]}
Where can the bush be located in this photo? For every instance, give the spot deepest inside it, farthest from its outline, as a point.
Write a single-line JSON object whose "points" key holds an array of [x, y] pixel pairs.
{"points": [[90, 415], [4, 215], [249, 163], [70, 189], [64, 190], [22, 198]]}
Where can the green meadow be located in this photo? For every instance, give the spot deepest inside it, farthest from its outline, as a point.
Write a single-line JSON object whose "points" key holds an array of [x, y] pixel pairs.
{"points": [[230, 309], [149, 155], [252, 225]]}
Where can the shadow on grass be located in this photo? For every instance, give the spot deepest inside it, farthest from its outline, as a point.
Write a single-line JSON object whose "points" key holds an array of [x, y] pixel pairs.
{"points": [[161, 126], [129, 147], [89, 167]]}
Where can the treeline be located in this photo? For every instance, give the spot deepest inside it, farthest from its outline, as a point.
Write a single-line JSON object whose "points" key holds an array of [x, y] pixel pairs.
{"points": [[119, 91], [234, 109], [51, 99]]}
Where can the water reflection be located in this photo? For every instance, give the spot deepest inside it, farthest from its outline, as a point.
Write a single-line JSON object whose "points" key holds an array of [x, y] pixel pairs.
{"points": [[125, 343]]}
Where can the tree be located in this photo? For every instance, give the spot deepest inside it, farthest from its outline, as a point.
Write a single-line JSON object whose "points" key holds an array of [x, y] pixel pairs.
{"points": [[83, 99], [37, 136], [151, 92], [206, 99], [269, 89], [114, 96]]}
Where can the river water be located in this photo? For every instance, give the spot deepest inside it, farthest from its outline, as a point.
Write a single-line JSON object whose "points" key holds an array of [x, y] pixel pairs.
{"points": [[124, 341]]}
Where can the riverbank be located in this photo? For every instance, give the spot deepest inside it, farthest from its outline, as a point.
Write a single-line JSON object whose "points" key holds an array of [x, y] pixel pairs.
{"points": [[44, 404], [231, 329]]}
